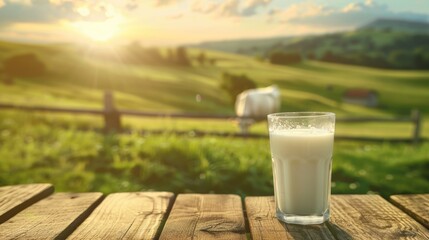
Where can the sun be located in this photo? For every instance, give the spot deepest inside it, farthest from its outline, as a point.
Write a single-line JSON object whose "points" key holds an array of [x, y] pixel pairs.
{"points": [[100, 31]]}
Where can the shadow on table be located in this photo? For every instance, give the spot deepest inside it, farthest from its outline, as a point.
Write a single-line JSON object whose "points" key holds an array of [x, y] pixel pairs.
{"points": [[337, 231], [323, 231]]}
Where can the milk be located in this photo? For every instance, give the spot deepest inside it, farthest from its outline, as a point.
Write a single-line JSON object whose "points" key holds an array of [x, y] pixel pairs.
{"points": [[302, 170]]}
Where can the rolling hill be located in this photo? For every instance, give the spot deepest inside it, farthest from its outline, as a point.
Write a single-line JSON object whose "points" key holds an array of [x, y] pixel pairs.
{"points": [[71, 153], [77, 76], [398, 25], [384, 43], [254, 47]]}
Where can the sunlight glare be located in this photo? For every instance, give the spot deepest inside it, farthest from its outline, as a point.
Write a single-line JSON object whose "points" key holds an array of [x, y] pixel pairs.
{"points": [[99, 31]]}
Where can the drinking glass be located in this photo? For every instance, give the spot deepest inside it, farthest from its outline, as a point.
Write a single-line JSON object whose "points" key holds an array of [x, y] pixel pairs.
{"points": [[301, 146]]}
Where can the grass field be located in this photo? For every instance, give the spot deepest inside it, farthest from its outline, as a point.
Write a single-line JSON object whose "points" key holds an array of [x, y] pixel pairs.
{"points": [[70, 151], [36, 148]]}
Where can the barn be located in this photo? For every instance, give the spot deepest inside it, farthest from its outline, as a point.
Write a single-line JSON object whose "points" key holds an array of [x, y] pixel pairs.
{"points": [[361, 96]]}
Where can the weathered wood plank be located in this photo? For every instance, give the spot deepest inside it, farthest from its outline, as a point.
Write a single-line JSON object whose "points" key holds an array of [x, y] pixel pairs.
{"points": [[371, 217], [53, 217], [416, 205], [14, 199], [263, 224], [126, 216], [205, 216]]}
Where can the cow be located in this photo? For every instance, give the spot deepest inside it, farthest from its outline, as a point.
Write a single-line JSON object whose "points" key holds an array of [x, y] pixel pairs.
{"points": [[256, 103]]}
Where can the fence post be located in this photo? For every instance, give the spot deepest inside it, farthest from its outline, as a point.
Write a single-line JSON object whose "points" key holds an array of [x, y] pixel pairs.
{"points": [[112, 118], [416, 118]]}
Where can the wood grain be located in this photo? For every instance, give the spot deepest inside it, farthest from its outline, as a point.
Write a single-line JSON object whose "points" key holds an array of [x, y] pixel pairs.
{"points": [[126, 216], [53, 217], [205, 216], [416, 205], [14, 199], [263, 223], [371, 217]]}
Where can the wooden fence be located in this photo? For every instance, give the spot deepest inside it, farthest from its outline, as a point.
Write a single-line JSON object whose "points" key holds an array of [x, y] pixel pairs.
{"points": [[112, 119]]}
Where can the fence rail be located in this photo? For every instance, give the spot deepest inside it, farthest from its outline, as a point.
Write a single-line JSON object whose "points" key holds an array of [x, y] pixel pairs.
{"points": [[112, 119]]}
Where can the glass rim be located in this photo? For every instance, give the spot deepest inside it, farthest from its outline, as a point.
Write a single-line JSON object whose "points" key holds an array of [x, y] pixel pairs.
{"points": [[301, 115]]}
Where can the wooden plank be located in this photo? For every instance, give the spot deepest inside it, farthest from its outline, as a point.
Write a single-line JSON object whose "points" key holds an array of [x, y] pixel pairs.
{"points": [[371, 217], [205, 216], [416, 205], [263, 223], [53, 217], [126, 216], [14, 199]]}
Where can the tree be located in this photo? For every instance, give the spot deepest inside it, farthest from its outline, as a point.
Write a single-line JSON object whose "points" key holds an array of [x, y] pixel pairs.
{"points": [[201, 58], [421, 60], [134, 53], [311, 55], [285, 58], [171, 56], [235, 84], [182, 57], [212, 61], [401, 59], [24, 65], [328, 56]]}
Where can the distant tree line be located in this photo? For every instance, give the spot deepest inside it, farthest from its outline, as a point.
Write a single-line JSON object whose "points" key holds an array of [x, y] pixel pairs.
{"points": [[396, 59], [134, 53], [408, 51]]}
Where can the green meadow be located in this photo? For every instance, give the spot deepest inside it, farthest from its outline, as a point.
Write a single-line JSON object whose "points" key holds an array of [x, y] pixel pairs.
{"points": [[72, 152]]}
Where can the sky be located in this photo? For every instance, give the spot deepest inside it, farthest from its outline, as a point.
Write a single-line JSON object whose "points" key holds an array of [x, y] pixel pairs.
{"points": [[173, 22]]}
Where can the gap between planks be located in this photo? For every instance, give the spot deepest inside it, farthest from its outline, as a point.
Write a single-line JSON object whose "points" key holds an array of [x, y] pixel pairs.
{"points": [[14, 199]]}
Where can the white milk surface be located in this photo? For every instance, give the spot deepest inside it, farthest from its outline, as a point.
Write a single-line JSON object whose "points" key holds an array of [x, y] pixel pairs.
{"points": [[302, 168]]}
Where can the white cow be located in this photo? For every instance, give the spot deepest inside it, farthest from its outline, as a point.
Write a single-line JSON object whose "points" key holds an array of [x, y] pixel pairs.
{"points": [[256, 103]]}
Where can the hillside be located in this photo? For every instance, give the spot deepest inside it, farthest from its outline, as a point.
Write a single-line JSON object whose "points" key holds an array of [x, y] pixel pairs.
{"points": [[254, 47], [384, 43], [398, 26], [70, 151], [77, 76], [373, 48]]}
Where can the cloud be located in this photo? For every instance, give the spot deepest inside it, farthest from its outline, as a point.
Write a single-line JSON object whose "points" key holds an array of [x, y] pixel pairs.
{"points": [[204, 6], [45, 11], [160, 3], [250, 6], [300, 11], [22, 2], [228, 8], [131, 5], [351, 15]]}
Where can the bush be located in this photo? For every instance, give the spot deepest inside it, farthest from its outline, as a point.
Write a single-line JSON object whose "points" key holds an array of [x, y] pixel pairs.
{"points": [[201, 58], [182, 57], [25, 65], [134, 53], [235, 84], [285, 58], [401, 59]]}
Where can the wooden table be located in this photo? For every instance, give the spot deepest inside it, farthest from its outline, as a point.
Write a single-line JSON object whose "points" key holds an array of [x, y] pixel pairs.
{"points": [[34, 211]]}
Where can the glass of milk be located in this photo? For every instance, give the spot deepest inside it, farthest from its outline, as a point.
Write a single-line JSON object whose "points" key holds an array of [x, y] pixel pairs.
{"points": [[301, 149]]}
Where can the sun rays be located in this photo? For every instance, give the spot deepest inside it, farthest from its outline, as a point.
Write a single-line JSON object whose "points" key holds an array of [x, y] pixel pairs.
{"points": [[100, 31]]}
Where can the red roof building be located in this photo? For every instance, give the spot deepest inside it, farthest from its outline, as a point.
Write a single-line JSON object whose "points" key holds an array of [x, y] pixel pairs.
{"points": [[361, 96]]}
